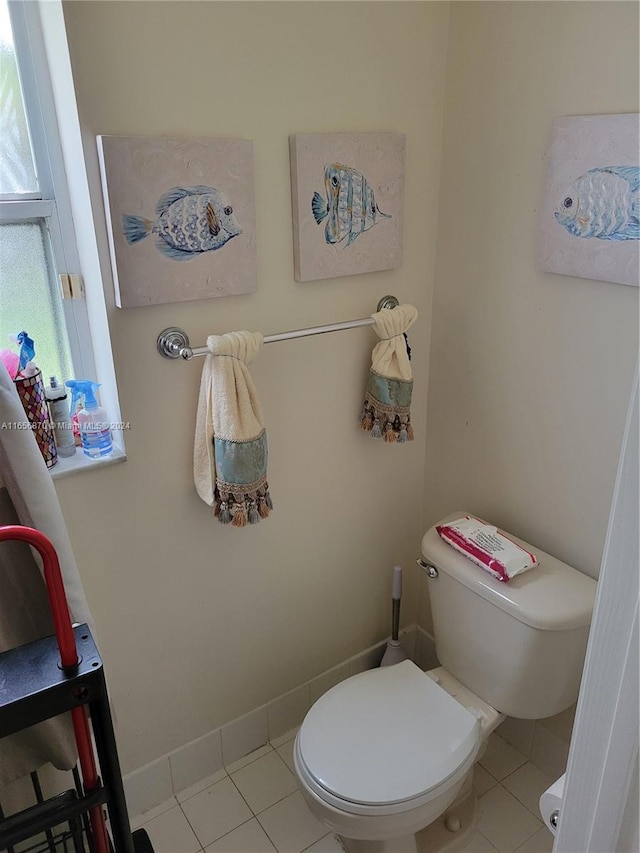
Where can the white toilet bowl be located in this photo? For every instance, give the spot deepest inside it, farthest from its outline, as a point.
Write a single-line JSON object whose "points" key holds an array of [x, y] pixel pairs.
{"points": [[382, 755]]}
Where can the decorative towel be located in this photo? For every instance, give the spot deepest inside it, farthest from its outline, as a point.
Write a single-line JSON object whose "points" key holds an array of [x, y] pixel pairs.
{"points": [[388, 396], [230, 448]]}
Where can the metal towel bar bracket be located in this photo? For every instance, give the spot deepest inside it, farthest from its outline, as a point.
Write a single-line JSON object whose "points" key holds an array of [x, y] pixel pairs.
{"points": [[174, 342]]}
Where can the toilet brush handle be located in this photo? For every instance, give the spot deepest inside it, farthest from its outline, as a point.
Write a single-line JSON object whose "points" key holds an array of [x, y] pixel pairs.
{"points": [[396, 595], [396, 586], [395, 619]]}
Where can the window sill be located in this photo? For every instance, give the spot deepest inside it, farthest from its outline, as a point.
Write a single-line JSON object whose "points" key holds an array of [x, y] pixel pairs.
{"points": [[66, 466]]}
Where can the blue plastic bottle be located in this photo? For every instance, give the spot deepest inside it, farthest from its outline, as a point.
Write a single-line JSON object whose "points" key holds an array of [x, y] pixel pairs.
{"points": [[93, 421]]}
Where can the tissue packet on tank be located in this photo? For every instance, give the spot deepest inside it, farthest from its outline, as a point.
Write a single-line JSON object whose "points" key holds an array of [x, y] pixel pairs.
{"points": [[484, 545]]}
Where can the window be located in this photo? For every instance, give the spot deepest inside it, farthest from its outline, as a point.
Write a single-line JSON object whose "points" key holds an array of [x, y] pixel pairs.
{"points": [[37, 241]]}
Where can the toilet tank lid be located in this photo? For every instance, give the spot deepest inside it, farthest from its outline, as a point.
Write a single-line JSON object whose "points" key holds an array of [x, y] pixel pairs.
{"points": [[552, 596]]}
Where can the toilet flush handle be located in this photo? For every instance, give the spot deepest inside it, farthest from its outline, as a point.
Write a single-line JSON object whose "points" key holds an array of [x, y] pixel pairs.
{"points": [[431, 571]]}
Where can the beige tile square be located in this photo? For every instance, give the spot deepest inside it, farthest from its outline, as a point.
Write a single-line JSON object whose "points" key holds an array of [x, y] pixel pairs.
{"points": [[264, 782], [500, 758], [216, 811], [478, 844], [541, 842], [248, 759], [549, 752], [527, 784], [561, 725], [483, 779], [504, 821], [201, 785], [145, 817], [170, 832], [286, 754], [287, 736], [199, 758], [248, 838], [149, 785], [288, 711], [328, 844], [244, 735], [518, 733], [291, 826]]}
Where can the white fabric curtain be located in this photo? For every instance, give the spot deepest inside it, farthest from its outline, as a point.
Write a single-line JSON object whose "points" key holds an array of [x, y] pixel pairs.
{"points": [[28, 497]]}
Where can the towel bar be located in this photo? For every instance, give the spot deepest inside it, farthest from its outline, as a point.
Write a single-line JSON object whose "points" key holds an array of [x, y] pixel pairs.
{"points": [[174, 342]]}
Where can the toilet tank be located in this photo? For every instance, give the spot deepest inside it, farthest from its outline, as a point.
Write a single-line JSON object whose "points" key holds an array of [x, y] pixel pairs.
{"points": [[518, 645]]}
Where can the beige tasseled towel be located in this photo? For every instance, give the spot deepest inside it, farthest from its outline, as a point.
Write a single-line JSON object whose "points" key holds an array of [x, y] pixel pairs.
{"points": [[387, 405], [230, 448]]}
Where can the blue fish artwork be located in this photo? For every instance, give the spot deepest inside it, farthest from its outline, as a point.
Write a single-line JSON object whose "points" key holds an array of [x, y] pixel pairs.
{"points": [[350, 206], [603, 203], [189, 221]]}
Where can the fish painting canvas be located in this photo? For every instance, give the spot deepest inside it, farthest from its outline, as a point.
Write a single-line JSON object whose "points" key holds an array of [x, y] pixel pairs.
{"points": [[589, 223], [347, 198], [349, 204], [180, 217]]}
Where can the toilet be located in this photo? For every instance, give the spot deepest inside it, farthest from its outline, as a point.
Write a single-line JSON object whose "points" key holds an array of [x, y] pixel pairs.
{"points": [[385, 753]]}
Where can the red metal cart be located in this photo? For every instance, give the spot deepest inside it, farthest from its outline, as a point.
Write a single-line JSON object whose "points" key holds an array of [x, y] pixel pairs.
{"points": [[46, 678]]}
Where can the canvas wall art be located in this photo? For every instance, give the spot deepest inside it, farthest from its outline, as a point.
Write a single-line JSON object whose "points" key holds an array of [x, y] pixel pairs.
{"points": [[180, 216], [590, 219], [348, 197]]}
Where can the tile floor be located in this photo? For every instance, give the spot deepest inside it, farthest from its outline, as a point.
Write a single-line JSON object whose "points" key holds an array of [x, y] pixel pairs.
{"points": [[253, 806]]}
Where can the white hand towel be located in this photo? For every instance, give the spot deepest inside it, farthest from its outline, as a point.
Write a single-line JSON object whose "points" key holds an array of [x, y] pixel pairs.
{"points": [[230, 448]]}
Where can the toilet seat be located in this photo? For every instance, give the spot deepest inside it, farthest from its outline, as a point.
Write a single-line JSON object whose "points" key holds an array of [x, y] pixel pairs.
{"points": [[385, 741]]}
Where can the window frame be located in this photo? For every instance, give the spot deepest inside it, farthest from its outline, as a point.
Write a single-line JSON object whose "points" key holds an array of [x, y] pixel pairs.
{"points": [[52, 203]]}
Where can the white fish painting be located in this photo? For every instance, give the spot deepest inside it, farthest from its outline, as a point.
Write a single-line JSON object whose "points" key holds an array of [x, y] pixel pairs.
{"points": [[189, 221], [589, 217], [602, 203], [349, 207], [180, 216]]}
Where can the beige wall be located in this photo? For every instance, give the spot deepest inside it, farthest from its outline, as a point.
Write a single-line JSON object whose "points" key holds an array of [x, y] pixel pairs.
{"points": [[528, 377], [530, 372], [199, 623]]}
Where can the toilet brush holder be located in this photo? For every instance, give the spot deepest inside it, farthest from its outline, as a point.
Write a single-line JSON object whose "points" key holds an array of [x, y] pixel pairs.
{"points": [[394, 653]]}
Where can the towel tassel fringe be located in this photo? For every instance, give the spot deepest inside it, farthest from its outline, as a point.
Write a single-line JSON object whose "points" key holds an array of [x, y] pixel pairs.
{"points": [[388, 425], [366, 417], [221, 508], [253, 516], [239, 515], [240, 509], [389, 434]]}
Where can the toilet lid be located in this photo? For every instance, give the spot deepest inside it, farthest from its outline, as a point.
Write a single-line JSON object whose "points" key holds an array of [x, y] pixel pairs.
{"points": [[386, 736]]}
